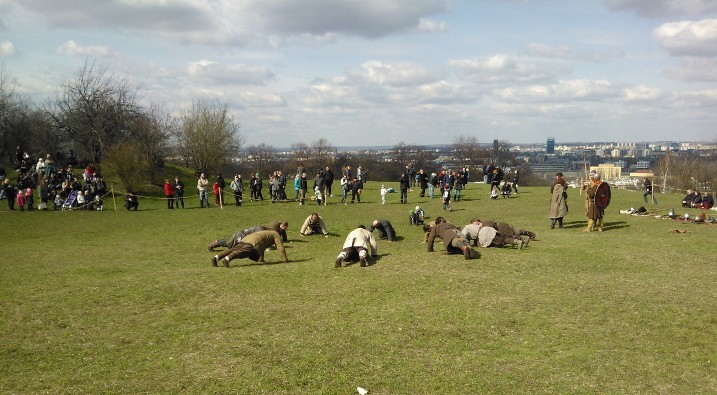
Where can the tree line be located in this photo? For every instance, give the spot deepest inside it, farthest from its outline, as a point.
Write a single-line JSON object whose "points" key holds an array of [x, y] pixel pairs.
{"points": [[99, 117]]}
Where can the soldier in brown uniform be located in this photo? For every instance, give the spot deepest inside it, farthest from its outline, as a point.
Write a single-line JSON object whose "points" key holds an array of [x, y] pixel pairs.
{"points": [[452, 238], [252, 246], [597, 195]]}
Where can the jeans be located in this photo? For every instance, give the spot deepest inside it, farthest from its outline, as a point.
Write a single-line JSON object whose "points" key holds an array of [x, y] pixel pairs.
{"points": [[203, 198]]}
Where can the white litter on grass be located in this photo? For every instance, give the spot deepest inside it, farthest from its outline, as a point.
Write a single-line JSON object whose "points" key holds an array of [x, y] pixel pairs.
{"points": [[362, 391]]}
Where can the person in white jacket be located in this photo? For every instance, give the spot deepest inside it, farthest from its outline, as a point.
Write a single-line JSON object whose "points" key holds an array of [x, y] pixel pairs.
{"points": [[360, 244]]}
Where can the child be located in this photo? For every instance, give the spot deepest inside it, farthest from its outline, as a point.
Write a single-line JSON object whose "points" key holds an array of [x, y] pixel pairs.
{"points": [[384, 191], [416, 216], [20, 200], [80, 200], [29, 200], [57, 202], [100, 205], [447, 198]]}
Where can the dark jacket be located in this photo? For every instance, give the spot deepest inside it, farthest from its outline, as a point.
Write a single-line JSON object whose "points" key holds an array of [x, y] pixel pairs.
{"points": [[385, 228]]}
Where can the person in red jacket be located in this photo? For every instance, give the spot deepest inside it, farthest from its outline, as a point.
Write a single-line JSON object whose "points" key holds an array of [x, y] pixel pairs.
{"points": [[169, 193]]}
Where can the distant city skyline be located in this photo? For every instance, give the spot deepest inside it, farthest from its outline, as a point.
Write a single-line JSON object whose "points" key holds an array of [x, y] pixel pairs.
{"points": [[377, 72]]}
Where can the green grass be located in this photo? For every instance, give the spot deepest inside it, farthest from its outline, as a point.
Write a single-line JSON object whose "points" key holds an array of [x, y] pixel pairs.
{"points": [[127, 302]]}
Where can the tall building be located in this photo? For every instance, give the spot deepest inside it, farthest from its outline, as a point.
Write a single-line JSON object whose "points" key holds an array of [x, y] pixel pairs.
{"points": [[550, 146]]}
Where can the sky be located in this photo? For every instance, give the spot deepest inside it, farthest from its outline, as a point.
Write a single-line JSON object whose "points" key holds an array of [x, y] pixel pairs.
{"points": [[383, 72]]}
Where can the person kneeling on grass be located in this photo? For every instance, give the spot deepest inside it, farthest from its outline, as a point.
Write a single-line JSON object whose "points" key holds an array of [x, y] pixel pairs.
{"points": [[385, 229], [312, 225], [252, 247], [359, 245], [452, 238]]}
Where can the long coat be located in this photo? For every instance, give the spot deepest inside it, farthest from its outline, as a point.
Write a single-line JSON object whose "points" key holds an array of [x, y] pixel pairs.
{"points": [[558, 201], [591, 210]]}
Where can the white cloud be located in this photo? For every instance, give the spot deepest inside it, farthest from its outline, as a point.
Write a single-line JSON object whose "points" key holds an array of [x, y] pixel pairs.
{"points": [[429, 25], [694, 69], [397, 74], [566, 53], [7, 48], [562, 91], [240, 74], [641, 92], [503, 68], [692, 38], [662, 8], [72, 48]]}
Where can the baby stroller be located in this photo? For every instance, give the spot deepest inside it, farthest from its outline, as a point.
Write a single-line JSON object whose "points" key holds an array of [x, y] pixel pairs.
{"points": [[70, 201]]}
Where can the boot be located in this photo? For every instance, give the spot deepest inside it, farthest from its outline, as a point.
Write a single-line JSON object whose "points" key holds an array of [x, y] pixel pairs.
{"points": [[517, 243], [213, 245], [591, 223], [528, 233], [215, 260], [466, 252], [552, 223], [525, 240], [600, 224], [560, 222], [339, 260]]}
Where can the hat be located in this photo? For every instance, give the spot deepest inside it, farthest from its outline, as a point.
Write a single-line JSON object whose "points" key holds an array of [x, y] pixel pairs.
{"points": [[418, 208]]}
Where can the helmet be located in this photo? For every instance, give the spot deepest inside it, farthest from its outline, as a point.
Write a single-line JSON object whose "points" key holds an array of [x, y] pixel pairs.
{"points": [[686, 216]]}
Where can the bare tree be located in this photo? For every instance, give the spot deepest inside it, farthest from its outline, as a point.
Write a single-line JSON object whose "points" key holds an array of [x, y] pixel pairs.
{"points": [[502, 155], [262, 157], [322, 154], [301, 152], [467, 151], [95, 110], [152, 131], [208, 136]]}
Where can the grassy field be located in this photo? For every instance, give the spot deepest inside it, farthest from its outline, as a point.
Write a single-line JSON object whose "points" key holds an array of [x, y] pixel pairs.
{"points": [[127, 302]]}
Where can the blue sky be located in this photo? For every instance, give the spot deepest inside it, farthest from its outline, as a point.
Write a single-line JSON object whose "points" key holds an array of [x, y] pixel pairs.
{"points": [[380, 72]]}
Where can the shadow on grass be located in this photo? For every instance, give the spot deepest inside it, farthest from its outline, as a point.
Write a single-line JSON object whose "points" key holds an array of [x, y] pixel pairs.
{"points": [[373, 261], [606, 226]]}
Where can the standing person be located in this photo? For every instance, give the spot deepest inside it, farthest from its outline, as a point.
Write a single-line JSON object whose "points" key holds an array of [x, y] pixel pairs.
{"points": [[345, 185], [216, 191], [303, 185], [447, 198], [274, 187], [9, 192], [29, 199], [328, 181], [360, 244], [178, 192], [297, 186], [558, 201], [256, 185], [597, 195], [384, 191], [452, 239], [319, 188], [457, 186], [495, 178], [237, 187], [169, 193], [356, 188], [432, 185], [252, 247], [313, 224], [422, 182], [649, 191], [282, 185], [202, 185], [20, 199], [404, 183]]}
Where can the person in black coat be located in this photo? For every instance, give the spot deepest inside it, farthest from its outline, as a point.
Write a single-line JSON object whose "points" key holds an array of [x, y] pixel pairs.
{"points": [[385, 228]]}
